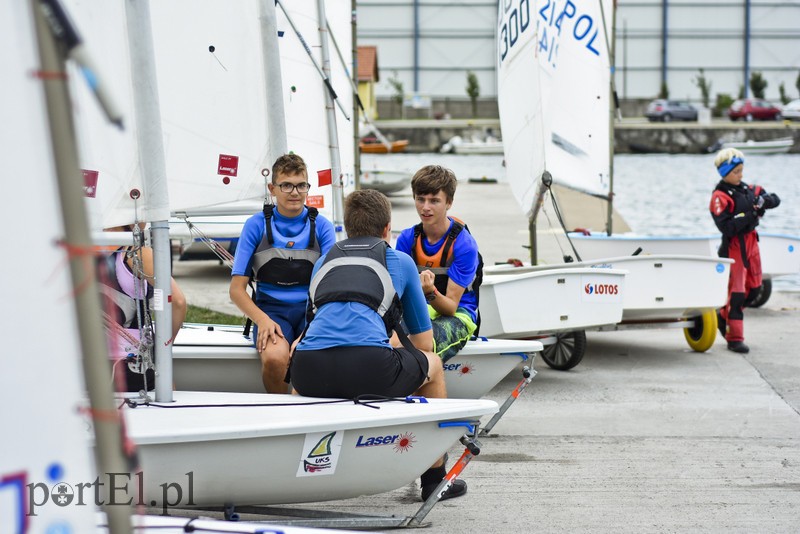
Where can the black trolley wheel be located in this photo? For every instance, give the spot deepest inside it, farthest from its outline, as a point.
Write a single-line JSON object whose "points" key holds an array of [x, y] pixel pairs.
{"points": [[567, 351], [758, 298]]}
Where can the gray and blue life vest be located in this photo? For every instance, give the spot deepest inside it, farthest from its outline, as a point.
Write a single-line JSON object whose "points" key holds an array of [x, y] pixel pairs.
{"points": [[354, 270], [285, 266]]}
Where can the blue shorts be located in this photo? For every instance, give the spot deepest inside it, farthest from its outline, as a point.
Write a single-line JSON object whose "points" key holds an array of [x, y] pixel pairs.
{"points": [[291, 316]]}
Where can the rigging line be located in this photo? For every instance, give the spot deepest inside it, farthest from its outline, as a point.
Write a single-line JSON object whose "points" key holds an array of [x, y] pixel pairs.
{"points": [[563, 226], [213, 49], [144, 318], [218, 250], [361, 400], [554, 235], [189, 527], [115, 328], [609, 54], [354, 90], [325, 79]]}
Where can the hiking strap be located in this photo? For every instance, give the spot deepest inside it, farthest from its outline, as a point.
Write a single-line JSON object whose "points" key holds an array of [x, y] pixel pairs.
{"points": [[268, 220], [249, 322], [312, 218], [312, 237]]}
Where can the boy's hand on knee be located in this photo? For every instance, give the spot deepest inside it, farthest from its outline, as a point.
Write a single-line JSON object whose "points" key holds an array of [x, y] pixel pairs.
{"points": [[268, 329]]}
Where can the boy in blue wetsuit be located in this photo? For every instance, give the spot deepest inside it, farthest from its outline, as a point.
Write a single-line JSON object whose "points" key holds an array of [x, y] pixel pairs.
{"points": [[279, 247], [354, 299], [446, 257]]}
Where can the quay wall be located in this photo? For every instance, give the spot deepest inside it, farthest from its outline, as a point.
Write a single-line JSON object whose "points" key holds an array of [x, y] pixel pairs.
{"points": [[630, 135]]}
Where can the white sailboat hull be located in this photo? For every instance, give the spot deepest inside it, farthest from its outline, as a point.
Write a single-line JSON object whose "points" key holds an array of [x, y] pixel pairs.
{"points": [[598, 246], [657, 287], [780, 254], [671, 286], [223, 359], [483, 363], [751, 147], [528, 301], [248, 453], [479, 147], [386, 181]]}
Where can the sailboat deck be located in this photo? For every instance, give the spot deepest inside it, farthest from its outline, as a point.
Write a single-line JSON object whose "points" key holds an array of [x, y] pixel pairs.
{"points": [[206, 416]]}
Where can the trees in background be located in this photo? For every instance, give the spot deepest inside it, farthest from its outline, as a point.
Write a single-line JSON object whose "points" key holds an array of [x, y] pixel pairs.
{"points": [[473, 91]]}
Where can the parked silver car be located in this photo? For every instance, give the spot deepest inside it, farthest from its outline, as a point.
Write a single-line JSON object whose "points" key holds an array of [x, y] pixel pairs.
{"points": [[791, 110], [667, 110]]}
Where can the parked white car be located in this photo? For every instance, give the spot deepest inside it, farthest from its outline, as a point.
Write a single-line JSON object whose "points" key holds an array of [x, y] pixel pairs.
{"points": [[791, 110]]}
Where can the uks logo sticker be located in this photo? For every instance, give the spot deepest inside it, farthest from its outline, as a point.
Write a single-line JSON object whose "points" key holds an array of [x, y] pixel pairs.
{"points": [[320, 454], [601, 289]]}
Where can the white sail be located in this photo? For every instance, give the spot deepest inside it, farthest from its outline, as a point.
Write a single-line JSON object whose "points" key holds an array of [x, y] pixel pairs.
{"points": [[304, 92], [212, 93], [47, 483], [109, 157], [213, 100], [553, 95], [44, 435]]}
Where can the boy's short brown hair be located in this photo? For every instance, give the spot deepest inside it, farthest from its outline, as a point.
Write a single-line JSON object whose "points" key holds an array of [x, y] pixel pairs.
{"points": [[366, 213], [431, 179], [289, 164]]}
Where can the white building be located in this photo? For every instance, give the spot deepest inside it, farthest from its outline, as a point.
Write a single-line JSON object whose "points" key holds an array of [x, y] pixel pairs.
{"points": [[430, 45]]}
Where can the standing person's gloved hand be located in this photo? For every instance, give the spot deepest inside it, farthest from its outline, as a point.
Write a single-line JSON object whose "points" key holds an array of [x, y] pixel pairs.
{"points": [[771, 200], [765, 202]]}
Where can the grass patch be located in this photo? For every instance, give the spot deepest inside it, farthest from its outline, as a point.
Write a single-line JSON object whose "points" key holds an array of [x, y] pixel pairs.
{"points": [[196, 314]]}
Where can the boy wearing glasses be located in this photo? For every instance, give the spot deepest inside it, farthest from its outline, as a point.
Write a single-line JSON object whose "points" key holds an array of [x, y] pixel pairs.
{"points": [[278, 247]]}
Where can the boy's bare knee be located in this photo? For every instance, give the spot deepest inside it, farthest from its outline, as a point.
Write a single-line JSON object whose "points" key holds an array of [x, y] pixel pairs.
{"points": [[275, 355], [435, 370]]}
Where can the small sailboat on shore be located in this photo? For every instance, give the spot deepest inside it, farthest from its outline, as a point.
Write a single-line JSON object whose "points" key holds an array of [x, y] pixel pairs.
{"points": [[220, 358], [781, 145], [48, 478], [554, 87], [373, 145], [239, 448], [780, 253], [305, 104]]}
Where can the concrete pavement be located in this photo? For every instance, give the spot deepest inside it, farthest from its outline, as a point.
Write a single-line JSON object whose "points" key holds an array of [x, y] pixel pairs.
{"points": [[643, 436]]}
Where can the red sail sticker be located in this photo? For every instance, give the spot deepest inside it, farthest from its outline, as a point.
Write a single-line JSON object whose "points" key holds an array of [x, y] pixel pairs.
{"points": [[89, 183], [228, 165], [315, 201]]}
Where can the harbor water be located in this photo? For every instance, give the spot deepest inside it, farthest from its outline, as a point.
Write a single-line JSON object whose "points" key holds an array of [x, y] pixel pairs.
{"points": [[656, 194]]}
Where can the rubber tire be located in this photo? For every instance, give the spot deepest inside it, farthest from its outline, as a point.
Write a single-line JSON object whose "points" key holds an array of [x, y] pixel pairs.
{"points": [[760, 298], [667, 117], [701, 336], [566, 352], [748, 117]]}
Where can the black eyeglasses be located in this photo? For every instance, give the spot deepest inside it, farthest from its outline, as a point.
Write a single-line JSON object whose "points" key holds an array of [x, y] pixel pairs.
{"points": [[287, 187]]}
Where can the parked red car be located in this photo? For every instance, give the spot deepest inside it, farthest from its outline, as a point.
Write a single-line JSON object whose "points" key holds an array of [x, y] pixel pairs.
{"points": [[753, 109]]}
